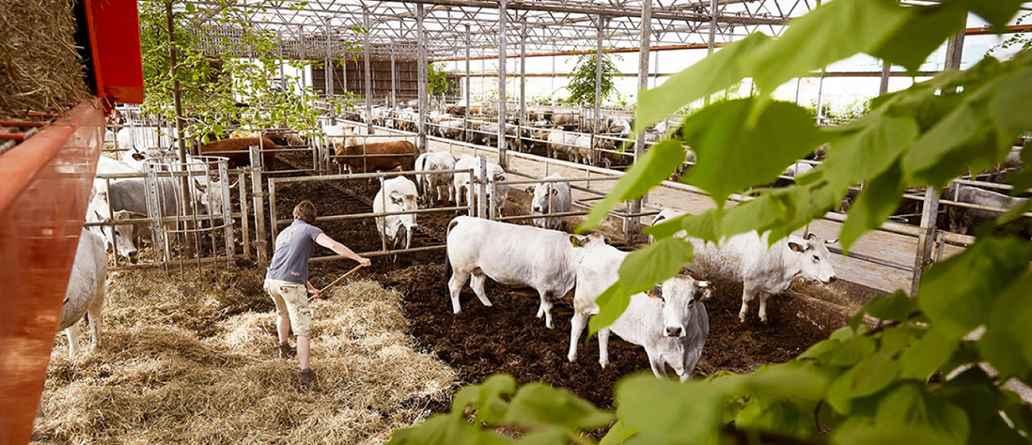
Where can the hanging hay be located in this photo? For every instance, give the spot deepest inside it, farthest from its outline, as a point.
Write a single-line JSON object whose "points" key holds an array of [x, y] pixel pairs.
{"points": [[198, 365], [40, 67]]}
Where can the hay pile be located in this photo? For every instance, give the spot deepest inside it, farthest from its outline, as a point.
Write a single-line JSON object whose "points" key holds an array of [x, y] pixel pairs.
{"points": [[197, 365], [40, 67]]}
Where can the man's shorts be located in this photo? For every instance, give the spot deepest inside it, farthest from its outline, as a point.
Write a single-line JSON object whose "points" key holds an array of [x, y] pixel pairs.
{"points": [[292, 300]]}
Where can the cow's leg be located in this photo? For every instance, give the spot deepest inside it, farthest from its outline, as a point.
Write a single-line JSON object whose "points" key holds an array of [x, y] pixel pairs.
{"points": [[603, 347], [545, 308], [577, 324], [763, 305], [72, 332], [748, 293], [95, 313], [656, 362], [478, 286], [455, 284]]}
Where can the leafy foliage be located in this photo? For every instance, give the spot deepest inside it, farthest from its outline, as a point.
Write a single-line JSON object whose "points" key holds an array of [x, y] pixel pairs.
{"points": [[221, 94], [436, 80], [918, 374], [582, 80]]}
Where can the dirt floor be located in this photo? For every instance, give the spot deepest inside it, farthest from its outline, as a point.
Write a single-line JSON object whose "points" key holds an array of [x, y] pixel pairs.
{"points": [[508, 339]]}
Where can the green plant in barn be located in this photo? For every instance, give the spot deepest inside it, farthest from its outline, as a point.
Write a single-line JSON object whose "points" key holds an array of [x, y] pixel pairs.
{"points": [[933, 368], [582, 81], [220, 94], [436, 80]]}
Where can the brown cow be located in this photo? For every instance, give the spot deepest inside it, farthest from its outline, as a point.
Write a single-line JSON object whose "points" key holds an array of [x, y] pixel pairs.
{"points": [[405, 156], [236, 149]]}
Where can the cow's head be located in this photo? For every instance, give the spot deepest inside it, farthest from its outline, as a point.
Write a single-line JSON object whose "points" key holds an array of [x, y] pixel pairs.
{"points": [[543, 199], [679, 295], [811, 254], [209, 195], [117, 237]]}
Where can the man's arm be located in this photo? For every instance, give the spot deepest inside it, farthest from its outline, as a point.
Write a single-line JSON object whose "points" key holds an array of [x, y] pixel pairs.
{"points": [[340, 249], [314, 291]]}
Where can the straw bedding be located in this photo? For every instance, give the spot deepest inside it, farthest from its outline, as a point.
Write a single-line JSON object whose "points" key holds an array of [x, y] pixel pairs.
{"points": [[186, 364], [40, 68]]}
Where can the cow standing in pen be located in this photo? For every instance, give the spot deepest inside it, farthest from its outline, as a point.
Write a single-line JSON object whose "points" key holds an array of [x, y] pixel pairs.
{"points": [[464, 184], [85, 292], [237, 150], [436, 187], [764, 269], [397, 195], [670, 322], [549, 198], [513, 255], [381, 156], [963, 220]]}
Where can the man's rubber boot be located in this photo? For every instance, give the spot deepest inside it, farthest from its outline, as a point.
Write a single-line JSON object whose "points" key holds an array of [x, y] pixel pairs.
{"points": [[307, 377], [285, 351]]}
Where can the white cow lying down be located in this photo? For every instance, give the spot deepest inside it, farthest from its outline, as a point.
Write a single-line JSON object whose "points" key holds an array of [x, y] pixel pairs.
{"points": [[85, 293], [670, 322], [763, 270], [513, 255]]}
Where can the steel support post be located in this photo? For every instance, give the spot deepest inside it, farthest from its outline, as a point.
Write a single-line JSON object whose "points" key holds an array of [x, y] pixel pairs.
{"points": [[930, 209], [465, 115], [421, 55], [394, 82], [632, 224], [503, 158], [655, 69], [596, 117], [328, 65], [368, 78], [885, 72], [711, 41], [523, 86]]}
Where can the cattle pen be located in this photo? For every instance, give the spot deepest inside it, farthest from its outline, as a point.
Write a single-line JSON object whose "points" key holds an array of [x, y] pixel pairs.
{"points": [[464, 166]]}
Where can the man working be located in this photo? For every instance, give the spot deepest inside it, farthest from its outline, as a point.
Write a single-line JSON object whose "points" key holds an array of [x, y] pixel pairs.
{"points": [[287, 279]]}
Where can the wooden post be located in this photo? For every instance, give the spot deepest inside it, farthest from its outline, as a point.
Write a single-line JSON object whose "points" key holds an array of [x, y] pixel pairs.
{"points": [[261, 241]]}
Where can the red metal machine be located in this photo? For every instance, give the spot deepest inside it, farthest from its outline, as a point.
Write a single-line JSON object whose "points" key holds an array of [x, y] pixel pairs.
{"points": [[45, 185]]}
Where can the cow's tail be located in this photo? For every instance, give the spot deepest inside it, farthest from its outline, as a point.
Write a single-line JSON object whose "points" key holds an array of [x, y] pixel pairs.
{"points": [[447, 260]]}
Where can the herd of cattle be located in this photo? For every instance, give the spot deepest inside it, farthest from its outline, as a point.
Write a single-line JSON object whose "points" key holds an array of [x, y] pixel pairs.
{"points": [[670, 321]]}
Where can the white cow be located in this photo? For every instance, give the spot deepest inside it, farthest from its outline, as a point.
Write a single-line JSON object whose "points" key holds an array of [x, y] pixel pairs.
{"points": [[119, 238], [513, 255], [495, 174], [670, 322], [397, 195], [85, 292], [576, 146], [137, 141], [549, 198], [437, 186], [764, 270]]}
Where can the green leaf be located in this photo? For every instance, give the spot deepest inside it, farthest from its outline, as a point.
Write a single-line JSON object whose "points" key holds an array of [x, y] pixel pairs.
{"points": [[1006, 341], [704, 226], [488, 399], [923, 32], [618, 434], [909, 406], [832, 32], [895, 307], [868, 152], [928, 354], [446, 430], [538, 405], [732, 157], [852, 351], [975, 392], [958, 294], [876, 203], [871, 375], [668, 412], [787, 381], [549, 436], [996, 12], [712, 74], [658, 163], [639, 271], [786, 417], [895, 339]]}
